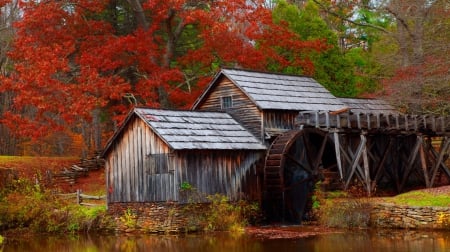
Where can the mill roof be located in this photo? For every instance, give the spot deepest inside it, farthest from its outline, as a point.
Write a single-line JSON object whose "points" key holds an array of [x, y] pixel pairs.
{"points": [[375, 106], [185, 130], [279, 91]]}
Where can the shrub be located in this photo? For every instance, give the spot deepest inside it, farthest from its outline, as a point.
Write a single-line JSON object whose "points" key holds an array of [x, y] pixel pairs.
{"points": [[336, 209], [129, 219], [344, 213], [220, 214], [228, 216], [25, 205]]}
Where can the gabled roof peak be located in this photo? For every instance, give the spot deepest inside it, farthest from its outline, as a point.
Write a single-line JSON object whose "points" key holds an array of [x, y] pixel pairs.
{"points": [[274, 91]]}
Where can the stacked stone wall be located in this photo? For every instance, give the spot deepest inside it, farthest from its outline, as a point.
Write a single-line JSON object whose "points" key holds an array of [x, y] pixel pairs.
{"points": [[387, 215], [170, 217], [157, 217]]}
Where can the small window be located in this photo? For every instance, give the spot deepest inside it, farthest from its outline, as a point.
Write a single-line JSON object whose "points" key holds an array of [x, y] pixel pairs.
{"points": [[157, 164], [226, 102]]}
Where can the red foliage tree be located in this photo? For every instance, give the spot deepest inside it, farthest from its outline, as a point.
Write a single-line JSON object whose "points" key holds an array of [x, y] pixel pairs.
{"points": [[77, 62]]}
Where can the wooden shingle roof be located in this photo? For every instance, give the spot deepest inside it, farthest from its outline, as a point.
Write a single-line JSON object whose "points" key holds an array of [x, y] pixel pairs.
{"points": [[280, 91], [199, 130], [374, 106]]}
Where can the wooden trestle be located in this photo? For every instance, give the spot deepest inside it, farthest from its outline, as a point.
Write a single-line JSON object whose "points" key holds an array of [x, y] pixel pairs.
{"points": [[375, 151], [375, 147]]}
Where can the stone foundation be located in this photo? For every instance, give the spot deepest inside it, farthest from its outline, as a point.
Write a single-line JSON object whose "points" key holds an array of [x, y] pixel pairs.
{"points": [[171, 217], [387, 215], [156, 217]]}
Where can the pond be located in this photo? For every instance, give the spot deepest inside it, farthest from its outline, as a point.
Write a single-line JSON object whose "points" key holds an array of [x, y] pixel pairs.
{"points": [[359, 240]]}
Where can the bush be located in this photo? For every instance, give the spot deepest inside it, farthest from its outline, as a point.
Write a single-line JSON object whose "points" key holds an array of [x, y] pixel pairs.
{"points": [[336, 209], [25, 205], [227, 216], [129, 219], [345, 213], [220, 214]]}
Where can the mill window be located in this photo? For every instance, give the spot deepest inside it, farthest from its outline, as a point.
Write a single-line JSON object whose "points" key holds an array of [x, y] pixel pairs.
{"points": [[157, 163], [226, 102]]}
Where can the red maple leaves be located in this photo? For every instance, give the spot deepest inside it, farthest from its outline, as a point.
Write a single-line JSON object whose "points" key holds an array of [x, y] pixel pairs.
{"points": [[71, 58]]}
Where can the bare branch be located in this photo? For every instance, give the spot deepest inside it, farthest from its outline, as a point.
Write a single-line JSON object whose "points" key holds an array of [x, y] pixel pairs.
{"points": [[330, 11]]}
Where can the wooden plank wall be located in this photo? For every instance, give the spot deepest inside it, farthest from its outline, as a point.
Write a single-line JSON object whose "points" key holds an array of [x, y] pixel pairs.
{"points": [[223, 172], [140, 168], [243, 110], [280, 119], [131, 175]]}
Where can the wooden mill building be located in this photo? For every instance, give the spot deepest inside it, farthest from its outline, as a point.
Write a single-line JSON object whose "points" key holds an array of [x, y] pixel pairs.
{"points": [[270, 137], [155, 151], [266, 104]]}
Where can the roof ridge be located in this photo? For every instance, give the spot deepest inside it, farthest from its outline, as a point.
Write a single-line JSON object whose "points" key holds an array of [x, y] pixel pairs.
{"points": [[264, 72]]}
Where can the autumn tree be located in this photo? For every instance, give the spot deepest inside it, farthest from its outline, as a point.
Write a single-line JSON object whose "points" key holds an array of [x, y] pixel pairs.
{"points": [[80, 65], [8, 15], [404, 37]]}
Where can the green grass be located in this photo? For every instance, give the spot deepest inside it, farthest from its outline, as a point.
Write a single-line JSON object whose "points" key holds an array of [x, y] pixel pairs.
{"points": [[420, 198]]}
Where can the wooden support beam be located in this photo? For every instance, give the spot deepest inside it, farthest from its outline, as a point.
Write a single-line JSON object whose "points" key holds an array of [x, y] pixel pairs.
{"points": [[445, 144], [411, 159], [380, 167], [378, 120], [319, 155], [356, 159], [366, 169], [358, 120], [359, 169], [337, 149], [423, 163], [348, 157]]}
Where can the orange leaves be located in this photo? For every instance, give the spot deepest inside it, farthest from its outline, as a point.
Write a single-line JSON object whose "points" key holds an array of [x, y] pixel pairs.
{"points": [[73, 57]]}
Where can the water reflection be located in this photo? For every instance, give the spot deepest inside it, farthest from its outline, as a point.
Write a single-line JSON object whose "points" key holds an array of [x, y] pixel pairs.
{"points": [[381, 240]]}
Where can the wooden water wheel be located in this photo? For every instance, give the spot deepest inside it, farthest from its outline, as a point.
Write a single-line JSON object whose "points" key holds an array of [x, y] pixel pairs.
{"points": [[291, 168]]}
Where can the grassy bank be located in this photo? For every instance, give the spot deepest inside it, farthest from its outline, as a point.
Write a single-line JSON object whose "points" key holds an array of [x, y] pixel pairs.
{"points": [[25, 205], [422, 198], [338, 209]]}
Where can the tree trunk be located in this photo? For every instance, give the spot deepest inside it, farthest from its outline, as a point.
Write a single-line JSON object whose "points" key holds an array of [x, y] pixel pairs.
{"points": [[139, 14]]}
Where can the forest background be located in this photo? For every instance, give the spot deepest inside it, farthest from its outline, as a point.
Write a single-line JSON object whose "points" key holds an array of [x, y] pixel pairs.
{"points": [[70, 70]]}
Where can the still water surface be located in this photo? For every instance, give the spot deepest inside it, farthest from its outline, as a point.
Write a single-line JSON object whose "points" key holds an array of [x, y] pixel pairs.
{"points": [[361, 241]]}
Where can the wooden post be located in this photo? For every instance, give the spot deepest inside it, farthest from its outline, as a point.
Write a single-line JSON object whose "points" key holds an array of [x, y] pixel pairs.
{"points": [[423, 163], [355, 161], [320, 154], [337, 149], [381, 167], [411, 160], [366, 167], [78, 197], [443, 150]]}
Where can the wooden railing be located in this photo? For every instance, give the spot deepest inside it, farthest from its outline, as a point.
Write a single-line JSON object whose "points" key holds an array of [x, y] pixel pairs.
{"points": [[370, 121], [80, 197]]}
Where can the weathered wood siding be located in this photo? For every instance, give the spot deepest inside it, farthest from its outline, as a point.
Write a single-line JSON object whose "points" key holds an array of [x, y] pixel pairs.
{"points": [[226, 172], [139, 167], [280, 119], [243, 110]]}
